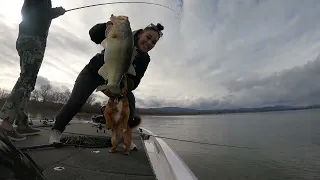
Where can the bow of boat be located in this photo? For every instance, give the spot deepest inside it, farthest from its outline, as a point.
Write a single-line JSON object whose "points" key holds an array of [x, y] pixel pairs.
{"points": [[165, 162]]}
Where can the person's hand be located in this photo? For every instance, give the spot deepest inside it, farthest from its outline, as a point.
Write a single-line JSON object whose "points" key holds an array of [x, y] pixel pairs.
{"points": [[108, 93], [60, 10], [104, 90]]}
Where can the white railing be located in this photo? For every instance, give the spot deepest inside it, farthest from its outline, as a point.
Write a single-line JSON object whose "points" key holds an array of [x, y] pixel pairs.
{"points": [[166, 163]]}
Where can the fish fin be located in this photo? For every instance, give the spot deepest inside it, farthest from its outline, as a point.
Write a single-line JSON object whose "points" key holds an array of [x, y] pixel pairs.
{"points": [[101, 88], [112, 17], [103, 72], [131, 70], [106, 32], [104, 43]]}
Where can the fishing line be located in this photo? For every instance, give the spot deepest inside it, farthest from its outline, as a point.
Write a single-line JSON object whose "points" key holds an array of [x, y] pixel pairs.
{"points": [[170, 138], [198, 142], [124, 2]]}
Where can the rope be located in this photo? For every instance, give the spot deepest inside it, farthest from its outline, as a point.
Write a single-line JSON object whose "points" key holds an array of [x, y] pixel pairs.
{"points": [[123, 2]]}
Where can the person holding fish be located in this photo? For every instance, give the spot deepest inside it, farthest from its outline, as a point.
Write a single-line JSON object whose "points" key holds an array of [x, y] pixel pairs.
{"points": [[31, 44], [103, 70]]}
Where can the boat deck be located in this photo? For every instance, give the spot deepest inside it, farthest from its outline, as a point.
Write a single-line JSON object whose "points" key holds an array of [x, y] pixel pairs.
{"points": [[88, 163]]}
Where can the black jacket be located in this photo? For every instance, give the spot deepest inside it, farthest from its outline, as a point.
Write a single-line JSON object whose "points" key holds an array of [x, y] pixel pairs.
{"points": [[36, 17], [140, 62]]}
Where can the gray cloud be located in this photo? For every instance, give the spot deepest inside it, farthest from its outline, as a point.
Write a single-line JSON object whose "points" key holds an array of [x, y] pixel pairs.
{"points": [[42, 81], [296, 86], [220, 54]]}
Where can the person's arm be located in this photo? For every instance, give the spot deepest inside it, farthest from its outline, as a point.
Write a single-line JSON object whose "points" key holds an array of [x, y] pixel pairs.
{"points": [[97, 32], [56, 12], [33, 9], [141, 68]]}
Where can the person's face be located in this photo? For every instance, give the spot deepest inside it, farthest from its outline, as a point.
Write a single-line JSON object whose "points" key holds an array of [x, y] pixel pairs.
{"points": [[147, 40]]}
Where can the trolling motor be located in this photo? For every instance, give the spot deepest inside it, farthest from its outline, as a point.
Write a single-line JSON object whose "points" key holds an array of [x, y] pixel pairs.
{"points": [[99, 121]]}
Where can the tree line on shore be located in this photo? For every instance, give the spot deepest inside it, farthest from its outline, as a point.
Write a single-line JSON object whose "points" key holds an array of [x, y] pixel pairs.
{"points": [[48, 100]]}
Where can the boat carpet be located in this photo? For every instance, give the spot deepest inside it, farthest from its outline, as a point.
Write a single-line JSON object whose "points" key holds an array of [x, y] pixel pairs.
{"points": [[81, 163]]}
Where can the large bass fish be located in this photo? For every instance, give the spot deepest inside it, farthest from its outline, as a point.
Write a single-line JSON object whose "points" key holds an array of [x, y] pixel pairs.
{"points": [[119, 47]]}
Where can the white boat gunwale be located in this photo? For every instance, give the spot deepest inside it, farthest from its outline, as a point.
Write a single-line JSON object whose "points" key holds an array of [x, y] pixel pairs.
{"points": [[165, 162]]}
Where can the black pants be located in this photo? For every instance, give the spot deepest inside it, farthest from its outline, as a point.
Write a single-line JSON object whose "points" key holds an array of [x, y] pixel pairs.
{"points": [[84, 86]]}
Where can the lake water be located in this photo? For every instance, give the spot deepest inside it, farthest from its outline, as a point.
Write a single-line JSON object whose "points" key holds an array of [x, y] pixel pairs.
{"points": [[288, 144]]}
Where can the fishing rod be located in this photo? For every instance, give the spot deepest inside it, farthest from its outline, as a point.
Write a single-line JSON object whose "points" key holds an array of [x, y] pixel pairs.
{"points": [[123, 2]]}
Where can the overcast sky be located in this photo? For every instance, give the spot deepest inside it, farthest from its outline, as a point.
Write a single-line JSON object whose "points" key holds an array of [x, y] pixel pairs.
{"points": [[230, 53]]}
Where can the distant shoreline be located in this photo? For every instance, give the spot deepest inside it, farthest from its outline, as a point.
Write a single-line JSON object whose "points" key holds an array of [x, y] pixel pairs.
{"points": [[52, 108], [218, 112]]}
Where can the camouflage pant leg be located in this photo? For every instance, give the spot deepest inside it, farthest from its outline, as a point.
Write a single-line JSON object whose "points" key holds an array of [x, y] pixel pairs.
{"points": [[21, 116], [31, 51]]}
